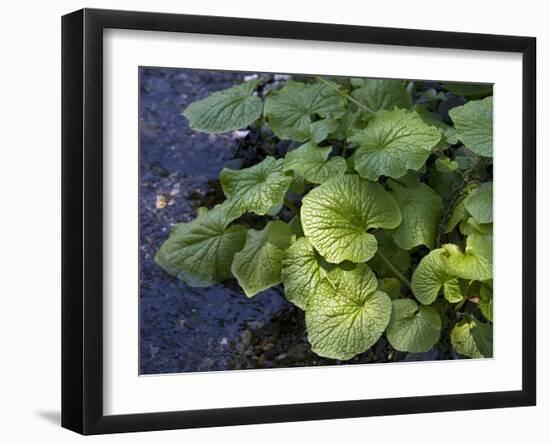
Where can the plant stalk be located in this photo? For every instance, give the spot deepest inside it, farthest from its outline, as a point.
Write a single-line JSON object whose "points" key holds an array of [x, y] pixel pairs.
{"points": [[398, 274], [346, 95]]}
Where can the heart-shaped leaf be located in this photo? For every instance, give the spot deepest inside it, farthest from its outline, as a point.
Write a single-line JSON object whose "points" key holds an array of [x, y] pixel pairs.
{"points": [[472, 338], [347, 314], [392, 143], [302, 272], [420, 211], [431, 276], [476, 263], [337, 214], [311, 162], [226, 110], [201, 252], [474, 124], [413, 327], [258, 266], [479, 203], [382, 94], [292, 109], [256, 189]]}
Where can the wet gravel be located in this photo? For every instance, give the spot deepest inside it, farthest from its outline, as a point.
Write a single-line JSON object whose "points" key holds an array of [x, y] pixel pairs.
{"points": [[184, 329]]}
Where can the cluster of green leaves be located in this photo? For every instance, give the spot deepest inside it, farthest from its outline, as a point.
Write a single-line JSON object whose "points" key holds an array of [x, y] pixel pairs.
{"points": [[391, 225]]}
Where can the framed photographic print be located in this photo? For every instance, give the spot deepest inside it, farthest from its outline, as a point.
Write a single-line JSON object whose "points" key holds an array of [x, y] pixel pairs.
{"points": [[270, 221]]}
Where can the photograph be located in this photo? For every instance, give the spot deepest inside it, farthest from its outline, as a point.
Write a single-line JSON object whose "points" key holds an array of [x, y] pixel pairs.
{"points": [[299, 220]]}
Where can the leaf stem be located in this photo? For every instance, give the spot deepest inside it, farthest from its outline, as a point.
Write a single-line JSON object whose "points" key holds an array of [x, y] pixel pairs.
{"points": [[346, 95], [398, 274]]}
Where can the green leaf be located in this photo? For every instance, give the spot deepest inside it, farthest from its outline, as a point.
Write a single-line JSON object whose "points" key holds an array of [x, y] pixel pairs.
{"points": [[226, 110], [413, 328], [347, 125], [337, 214], [311, 162], [256, 189], [474, 124], [392, 143], [486, 302], [258, 266], [479, 203], [201, 252], [320, 129], [382, 94], [469, 89], [395, 255], [302, 272], [292, 109], [431, 276], [347, 314], [472, 338], [421, 210], [476, 263], [390, 286], [296, 226]]}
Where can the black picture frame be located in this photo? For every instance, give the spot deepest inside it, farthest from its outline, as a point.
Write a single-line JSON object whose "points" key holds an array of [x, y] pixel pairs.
{"points": [[82, 216]]}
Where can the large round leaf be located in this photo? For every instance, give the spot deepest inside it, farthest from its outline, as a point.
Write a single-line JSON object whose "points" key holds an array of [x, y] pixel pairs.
{"points": [[258, 266], [312, 163], [431, 276], [347, 314], [472, 338], [479, 203], [201, 252], [382, 94], [413, 328], [420, 211], [336, 216], [225, 110], [255, 189], [474, 125], [476, 263], [302, 272], [291, 110], [392, 143]]}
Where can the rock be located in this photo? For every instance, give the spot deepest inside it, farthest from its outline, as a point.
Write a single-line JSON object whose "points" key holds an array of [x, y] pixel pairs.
{"points": [[298, 352]]}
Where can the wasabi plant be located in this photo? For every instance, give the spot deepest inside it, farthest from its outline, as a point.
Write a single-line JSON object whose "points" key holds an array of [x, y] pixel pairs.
{"points": [[377, 220]]}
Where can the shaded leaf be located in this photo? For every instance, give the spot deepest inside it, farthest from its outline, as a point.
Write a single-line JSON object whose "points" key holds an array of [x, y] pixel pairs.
{"points": [[420, 212]]}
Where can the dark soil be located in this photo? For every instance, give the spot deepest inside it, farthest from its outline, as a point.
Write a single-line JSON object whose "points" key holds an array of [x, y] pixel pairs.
{"points": [[184, 329]]}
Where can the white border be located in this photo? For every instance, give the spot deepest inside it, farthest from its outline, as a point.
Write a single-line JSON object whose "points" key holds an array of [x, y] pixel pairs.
{"points": [[126, 392]]}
